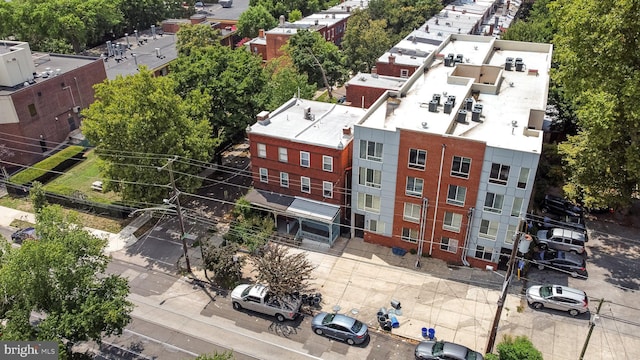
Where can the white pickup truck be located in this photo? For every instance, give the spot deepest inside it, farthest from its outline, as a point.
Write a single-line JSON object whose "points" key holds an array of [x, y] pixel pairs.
{"points": [[257, 298]]}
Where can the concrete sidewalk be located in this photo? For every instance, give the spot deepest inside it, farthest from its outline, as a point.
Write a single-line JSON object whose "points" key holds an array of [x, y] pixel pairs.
{"points": [[359, 279]]}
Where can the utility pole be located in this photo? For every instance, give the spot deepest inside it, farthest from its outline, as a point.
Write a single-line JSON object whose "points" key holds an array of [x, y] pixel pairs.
{"points": [[176, 192], [592, 324], [505, 285]]}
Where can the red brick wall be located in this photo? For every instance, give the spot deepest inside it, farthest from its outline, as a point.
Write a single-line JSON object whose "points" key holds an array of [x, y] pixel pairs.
{"points": [[356, 92], [274, 43], [51, 101], [339, 177], [433, 145], [388, 69]]}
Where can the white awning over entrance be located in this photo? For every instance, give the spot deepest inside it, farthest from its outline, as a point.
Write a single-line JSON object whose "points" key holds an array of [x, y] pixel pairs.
{"points": [[314, 210]]}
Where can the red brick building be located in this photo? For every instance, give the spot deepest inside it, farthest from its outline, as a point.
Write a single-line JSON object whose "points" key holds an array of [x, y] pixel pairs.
{"points": [[301, 167], [41, 96]]}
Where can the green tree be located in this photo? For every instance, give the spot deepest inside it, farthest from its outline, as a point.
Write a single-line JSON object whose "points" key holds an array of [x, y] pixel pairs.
{"points": [[37, 196], [519, 348], [228, 81], [284, 82], [61, 276], [78, 22], [139, 115], [597, 51], [284, 273], [140, 15], [365, 41], [253, 19], [295, 15], [536, 27], [196, 36], [225, 263], [403, 16], [321, 60]]}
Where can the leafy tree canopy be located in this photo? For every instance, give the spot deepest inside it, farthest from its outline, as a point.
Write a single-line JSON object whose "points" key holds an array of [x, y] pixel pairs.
{"points": [[321, 60], [225, 264], [228, 81], [597, 48], [253, 19], [365, 41], [196, 36], [223, 356], [519, 348], [536, 27], [283, 7], [61, 276], [284, 82], [138, 115]]}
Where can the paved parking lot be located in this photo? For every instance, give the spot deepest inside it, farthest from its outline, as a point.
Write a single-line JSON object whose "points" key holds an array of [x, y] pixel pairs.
{"points": [[613, 252]]}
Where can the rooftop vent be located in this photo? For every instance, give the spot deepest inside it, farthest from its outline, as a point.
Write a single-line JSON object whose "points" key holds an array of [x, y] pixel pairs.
{"points": [[424, 124]]}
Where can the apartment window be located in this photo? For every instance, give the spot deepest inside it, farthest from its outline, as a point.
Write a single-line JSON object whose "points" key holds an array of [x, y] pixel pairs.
{"points": [[304, 159], [452, 221], [447, 244], [456, 195], [493, 203], [410, 235], [483, 252], [369, 177], [417, 159], [517, 207], [511, 232], [284, 179], [262, 150], [368, 202], [305, 184], [327, 163], [327, 189], [283, 156], [376, 226], [264, 175], [499, 174], [460, 167], [404, 73], [370, 150], [414, 186], [32, 110], [523, 178], [411, 212], [488, 229]]}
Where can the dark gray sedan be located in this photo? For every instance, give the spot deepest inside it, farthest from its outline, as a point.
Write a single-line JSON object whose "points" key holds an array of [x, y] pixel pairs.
{"points": [[435, 350], [340, 327]]}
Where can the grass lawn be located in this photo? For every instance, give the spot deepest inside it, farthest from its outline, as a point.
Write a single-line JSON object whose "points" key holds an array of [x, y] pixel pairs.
{"points": [[77, 181]]}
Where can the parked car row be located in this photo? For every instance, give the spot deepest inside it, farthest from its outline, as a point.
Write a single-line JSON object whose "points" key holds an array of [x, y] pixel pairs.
{"points": [[573, 264], [336, 326]]}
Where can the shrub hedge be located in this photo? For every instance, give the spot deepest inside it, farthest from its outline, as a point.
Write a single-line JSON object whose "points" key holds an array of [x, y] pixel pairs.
{"points": [[42, 168]]}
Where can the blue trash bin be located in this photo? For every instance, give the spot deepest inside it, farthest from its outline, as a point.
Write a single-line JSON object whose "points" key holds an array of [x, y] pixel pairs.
{"points": [[432, 333], [424, 332]]}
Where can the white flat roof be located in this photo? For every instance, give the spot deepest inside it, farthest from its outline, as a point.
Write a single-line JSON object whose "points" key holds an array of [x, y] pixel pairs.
{"points": [[324, 128], [518, 93], [377, 81]]}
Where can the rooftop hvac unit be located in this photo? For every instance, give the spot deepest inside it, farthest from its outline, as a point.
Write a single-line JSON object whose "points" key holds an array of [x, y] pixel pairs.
{"points": [[468, 104], [433, 106], [448, 106], [452, 98], [508, 64], [459, 58], [462, 117], [307, 113], [436, 97], [475, 115], [478, 107]]}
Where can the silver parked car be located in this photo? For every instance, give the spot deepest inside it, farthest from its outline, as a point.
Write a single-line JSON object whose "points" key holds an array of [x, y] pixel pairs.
{"points": [[436, 350], [340, 327], [558, 297], [562, 239]]}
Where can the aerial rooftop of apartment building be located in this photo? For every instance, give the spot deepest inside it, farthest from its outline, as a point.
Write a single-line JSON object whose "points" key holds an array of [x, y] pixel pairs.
{"points": [[507, 97], [310, 122]]}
